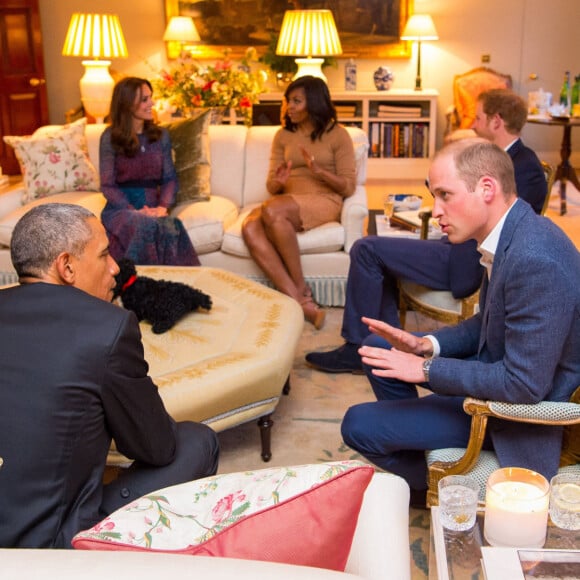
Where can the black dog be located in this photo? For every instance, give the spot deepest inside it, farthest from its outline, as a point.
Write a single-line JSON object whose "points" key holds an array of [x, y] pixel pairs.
{"points": [[160, 302]]}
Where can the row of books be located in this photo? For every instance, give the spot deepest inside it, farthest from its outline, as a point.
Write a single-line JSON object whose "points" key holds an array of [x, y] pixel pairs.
{"points": [[398, 139]]}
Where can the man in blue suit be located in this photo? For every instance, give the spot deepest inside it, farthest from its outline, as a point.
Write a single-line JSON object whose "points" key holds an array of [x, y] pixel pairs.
{"points": [[522, 347], [377, 263]]}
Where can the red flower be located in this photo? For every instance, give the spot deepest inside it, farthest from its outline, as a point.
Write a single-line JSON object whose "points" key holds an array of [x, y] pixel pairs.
{"points": [[245, 102]]}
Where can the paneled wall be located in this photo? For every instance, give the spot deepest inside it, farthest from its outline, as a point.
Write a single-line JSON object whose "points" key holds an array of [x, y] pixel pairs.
{"points": [[521, 37]]}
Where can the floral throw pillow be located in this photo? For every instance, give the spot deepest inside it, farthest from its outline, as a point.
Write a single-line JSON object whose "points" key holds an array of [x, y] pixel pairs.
{"points": [[191, 156], [55, 161], [304, 515]]}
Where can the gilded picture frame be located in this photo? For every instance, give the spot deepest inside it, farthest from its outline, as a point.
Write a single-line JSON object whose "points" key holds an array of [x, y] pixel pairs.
{"points": [[367, 28]]}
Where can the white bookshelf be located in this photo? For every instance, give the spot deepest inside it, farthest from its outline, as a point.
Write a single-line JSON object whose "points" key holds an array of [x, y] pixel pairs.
{"points": [[382, 163]]}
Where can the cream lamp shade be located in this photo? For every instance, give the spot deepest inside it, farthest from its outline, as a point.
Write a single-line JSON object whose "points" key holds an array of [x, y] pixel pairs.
{"points": [[95, 36], [181, 29], [419, 27], [307, 34]]}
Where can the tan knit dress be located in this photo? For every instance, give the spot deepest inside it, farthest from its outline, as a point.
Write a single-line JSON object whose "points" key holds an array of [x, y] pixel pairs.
{"points": [[318, 203]]}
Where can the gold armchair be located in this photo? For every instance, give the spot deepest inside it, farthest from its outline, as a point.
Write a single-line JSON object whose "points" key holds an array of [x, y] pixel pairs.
{"points": [[466, 88], [480, 464]]}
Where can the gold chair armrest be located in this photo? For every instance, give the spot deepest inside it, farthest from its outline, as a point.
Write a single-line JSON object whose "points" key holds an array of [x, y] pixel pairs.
{"points": [[439, 469], [542, 413]]}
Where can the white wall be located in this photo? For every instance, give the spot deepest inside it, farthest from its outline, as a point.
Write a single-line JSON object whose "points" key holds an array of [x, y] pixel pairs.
{"points": [[521, 37]]}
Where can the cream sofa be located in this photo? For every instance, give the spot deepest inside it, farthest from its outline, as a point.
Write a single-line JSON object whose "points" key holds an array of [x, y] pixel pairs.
{"points": [[380, 551], [239, 164]]}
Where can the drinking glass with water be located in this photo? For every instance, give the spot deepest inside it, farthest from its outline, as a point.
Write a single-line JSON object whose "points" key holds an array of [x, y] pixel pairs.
{"points": [[458, 496]]}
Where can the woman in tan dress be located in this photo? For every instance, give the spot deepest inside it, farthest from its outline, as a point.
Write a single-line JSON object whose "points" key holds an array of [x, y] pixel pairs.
{"points": [[312, 170]]}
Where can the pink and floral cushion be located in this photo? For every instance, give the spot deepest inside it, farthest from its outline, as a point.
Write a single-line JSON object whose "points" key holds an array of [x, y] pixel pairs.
{"points": [[304, 515], [55, 161]]}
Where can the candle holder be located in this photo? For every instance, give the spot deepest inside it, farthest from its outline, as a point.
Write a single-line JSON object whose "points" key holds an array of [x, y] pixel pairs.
{"points": [[516, 508]]}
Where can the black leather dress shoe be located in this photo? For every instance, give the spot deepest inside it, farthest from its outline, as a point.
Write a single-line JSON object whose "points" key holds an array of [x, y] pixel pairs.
{"points": [[340, 360]]}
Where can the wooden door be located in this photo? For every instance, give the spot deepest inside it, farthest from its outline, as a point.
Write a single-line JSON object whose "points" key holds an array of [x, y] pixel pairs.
{"points": [[23, 97]]}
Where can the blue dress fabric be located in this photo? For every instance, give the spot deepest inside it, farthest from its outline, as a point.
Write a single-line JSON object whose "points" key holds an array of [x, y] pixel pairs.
{"points": [[130, 183]]}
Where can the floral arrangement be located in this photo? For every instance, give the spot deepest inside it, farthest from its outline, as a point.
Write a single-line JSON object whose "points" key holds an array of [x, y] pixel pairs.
{"points": [[190, 84]]}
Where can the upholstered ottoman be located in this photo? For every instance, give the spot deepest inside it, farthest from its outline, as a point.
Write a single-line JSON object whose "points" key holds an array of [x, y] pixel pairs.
{"points": [[229, 365]]}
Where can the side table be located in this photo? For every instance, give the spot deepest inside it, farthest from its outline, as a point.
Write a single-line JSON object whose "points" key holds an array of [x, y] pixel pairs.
{"points": [[564, 172], [457, 555]]}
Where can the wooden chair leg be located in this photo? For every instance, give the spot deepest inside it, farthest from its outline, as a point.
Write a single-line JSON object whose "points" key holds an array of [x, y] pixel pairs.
{"points": [[265, 424], [286, 388]]}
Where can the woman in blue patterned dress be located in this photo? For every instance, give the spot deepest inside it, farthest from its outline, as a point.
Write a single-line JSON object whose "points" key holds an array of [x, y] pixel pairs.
{"points": [[138, 180]]}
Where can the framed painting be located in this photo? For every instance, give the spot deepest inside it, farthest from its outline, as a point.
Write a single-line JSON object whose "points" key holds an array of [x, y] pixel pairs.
{"points": [[367, 28]]}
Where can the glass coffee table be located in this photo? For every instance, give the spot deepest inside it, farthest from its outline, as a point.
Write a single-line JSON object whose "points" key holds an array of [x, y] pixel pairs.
{"points": [[457, 555]]}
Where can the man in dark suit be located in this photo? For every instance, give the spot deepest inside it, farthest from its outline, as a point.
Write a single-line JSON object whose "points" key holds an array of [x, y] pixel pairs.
{"points": [[378, 263], [74, 377], [522, 347]]}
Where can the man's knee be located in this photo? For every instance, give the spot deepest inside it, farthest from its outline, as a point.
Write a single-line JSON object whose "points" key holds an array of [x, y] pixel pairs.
{"points": [[354, 427], [198, 446]]}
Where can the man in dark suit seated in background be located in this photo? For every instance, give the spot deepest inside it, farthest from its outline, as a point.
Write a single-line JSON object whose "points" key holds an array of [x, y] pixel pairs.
{"points": [[522, 347], [377, 263], [74, 377]]}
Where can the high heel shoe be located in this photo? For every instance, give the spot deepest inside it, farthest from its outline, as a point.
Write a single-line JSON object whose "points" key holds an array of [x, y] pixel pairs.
{"points": [[312, 312]]}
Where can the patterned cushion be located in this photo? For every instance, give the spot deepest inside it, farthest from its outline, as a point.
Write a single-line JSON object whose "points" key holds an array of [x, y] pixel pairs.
{"points": [[303, 515], [190, 142], [55, 162]]}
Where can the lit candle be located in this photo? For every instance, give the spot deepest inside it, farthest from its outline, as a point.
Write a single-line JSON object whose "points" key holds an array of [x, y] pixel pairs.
{"points": [[516, 508]]}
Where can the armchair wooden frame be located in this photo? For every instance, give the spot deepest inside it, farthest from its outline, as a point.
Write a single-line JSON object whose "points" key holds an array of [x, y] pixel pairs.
{"points": [[543, 413]]}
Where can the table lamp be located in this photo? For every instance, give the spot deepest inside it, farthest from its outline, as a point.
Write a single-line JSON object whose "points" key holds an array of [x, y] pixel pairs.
{"points": [[307, 34], [179, 31], [95, 36], [419, 27]]}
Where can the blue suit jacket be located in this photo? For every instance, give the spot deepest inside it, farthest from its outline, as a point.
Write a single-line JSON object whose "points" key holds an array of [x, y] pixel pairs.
{"points": [[524, 345]]}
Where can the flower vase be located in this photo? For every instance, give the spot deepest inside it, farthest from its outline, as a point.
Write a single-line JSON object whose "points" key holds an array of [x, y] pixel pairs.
{"points": [[216, 115]]}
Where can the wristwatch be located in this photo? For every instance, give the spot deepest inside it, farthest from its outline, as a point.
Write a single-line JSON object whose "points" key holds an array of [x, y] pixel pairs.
{"points": [[426, 366]]}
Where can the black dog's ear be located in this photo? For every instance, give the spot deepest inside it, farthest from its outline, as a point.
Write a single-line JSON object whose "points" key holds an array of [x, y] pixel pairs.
{"points": [[126, 270]]}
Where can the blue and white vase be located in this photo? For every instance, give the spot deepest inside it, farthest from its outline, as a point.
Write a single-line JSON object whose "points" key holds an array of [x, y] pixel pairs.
{"points": [[383, 78]]}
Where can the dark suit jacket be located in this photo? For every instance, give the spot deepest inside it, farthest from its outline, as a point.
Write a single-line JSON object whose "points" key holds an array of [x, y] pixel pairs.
{"points": [[464, 270], [524, 345], [73, 376], [530, 179]]}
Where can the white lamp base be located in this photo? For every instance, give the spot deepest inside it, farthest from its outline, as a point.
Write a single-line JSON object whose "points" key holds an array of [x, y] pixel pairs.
{"points": [[310, 66], [97, 88]]}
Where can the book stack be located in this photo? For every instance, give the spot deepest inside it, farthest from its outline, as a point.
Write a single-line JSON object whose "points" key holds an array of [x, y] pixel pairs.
{"points": [[345, 111], [398, 111]]}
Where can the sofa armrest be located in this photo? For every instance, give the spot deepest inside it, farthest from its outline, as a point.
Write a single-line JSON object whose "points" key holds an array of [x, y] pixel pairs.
{"points": [[354, 212], [11, 200], [383, 518]]}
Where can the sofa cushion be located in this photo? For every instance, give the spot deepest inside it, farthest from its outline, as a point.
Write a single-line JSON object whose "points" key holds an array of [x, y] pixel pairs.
{"points": [[328, 237], [91, 200], [54, 161], [303, 515], [190, 143], [205, 222]]}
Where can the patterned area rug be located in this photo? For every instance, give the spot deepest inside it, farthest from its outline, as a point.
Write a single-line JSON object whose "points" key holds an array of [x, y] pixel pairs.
{"points": [[307, 423]]}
